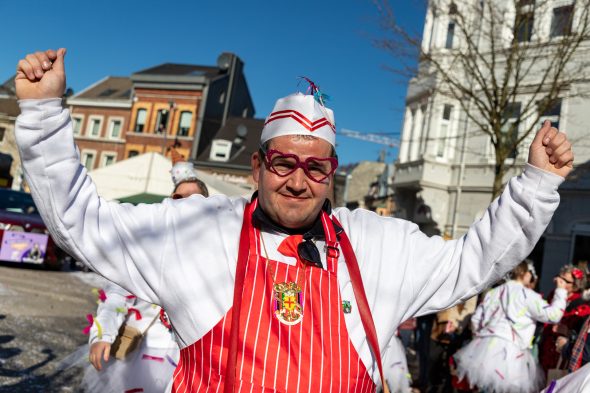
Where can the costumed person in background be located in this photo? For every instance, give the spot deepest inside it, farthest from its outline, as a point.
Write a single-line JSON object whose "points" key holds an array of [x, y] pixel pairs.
{"points": [[499, 358], [574, 345], [554, 337], [255, 288], [134, 340], [137, 333]]}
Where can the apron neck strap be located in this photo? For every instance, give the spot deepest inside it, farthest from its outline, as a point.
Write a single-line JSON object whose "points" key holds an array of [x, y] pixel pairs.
{"points": [[361, 300], [332, 250]]}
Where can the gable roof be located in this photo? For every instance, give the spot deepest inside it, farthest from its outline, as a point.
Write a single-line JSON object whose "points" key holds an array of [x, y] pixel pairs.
{"points": [[242, 148], [108, 88], [362, 177], [174, 69]]}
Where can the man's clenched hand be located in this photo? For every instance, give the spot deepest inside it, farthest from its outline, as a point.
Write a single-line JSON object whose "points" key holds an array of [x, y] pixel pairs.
{"points": [[551, 151], [41, 75]]}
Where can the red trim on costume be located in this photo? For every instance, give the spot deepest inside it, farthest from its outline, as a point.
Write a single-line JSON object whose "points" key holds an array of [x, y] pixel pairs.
{"points": [[301, 119]]}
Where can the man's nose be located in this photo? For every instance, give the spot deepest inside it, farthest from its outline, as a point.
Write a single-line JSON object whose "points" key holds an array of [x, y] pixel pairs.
{"points": [[297, 181]]}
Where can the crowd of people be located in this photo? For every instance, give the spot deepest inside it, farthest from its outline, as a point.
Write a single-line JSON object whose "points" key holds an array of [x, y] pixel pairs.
{"points": [[512, 341], [281, 292]]}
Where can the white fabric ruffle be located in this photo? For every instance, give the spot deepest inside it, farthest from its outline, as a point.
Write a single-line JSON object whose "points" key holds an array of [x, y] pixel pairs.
{"points": [[497, 365]]}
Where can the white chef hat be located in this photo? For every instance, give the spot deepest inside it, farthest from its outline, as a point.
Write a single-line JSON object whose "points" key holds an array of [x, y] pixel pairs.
{"points": [[301, 114]]}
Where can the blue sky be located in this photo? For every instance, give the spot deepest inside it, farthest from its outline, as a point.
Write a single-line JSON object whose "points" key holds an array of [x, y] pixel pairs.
{"points": [[328, 41]]}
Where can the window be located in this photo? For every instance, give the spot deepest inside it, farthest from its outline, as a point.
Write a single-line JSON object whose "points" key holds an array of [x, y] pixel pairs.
{"points": [[510, 128], [108, 159], [115, 128], [88, 159], [2, 132], [184, 125], [450, 35], [561, 23], [524, 26], [161, 121], [140, 120], [132, 153], [551, 112], [220, 150], [77, 124], [444, 131], [94, 125]]}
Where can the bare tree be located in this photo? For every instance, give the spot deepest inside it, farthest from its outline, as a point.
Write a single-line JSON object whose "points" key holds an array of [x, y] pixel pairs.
{"points": [[507, 63]]}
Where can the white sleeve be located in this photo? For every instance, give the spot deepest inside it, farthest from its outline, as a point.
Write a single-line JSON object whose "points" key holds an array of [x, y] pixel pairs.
{"points": [[109, 237], [110, 314], [542, 311], [444, 273], [424, 275]]}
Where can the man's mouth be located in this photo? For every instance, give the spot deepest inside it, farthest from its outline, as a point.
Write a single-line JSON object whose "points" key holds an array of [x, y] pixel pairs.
{"points": [[293, 197]]}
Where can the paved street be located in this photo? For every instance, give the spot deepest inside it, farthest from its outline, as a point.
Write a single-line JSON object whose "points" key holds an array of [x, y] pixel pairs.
{"points": [[42, 315]]}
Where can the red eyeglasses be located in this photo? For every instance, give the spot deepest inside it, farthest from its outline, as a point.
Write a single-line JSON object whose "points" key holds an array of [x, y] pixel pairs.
{"points": [[283, 164]]}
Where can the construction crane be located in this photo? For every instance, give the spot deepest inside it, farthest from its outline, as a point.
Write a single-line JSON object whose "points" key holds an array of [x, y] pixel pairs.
{"points": [[381, 139]]}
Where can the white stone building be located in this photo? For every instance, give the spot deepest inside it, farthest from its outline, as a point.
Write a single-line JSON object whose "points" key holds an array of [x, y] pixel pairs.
{"points": [[445, 170]]}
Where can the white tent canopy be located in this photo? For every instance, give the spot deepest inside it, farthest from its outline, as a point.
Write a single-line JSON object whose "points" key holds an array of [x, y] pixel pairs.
{"points": [[146, 178]]}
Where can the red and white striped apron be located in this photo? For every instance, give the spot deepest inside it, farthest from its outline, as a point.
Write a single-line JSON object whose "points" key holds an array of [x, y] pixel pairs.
{"points": [[315, 355]]}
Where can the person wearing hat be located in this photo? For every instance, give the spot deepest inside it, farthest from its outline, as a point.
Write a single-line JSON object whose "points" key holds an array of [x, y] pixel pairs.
{"points": [[185, 178], [280, 292]]}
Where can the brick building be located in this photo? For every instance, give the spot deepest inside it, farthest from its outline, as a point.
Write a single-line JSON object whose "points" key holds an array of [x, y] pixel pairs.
{"points": [[168, 105]]}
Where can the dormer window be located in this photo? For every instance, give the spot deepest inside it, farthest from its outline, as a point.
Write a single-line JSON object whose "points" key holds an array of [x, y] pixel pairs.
{"points": [[220, 150]]}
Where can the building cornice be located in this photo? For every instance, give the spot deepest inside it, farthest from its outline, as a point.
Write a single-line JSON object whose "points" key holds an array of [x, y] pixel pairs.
{"points": [[158, 136], [171, 79], [100, 103], [101, 140], [168, 86]]}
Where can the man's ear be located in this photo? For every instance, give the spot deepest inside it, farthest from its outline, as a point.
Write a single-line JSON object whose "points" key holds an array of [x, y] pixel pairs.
{"points": [[256, 162]]}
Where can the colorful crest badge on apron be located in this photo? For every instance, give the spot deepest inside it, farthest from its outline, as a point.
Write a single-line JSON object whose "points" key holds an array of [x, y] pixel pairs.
{"points": [[288, 308]]}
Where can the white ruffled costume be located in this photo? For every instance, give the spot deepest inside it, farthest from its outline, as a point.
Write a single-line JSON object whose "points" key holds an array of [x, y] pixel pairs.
{"points": [[151, 366], [499, 358]]}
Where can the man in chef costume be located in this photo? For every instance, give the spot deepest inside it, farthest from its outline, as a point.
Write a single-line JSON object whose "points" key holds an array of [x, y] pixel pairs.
{"points": [[278, 292]]}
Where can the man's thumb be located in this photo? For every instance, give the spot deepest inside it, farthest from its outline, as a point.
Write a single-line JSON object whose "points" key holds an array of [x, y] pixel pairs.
{"points": [[58, 64], [541, 133]]}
